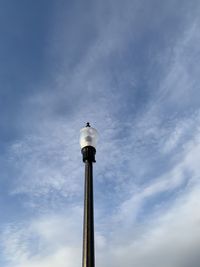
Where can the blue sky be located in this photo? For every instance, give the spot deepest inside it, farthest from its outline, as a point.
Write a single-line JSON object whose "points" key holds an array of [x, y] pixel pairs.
{"points": [[131, 68]]}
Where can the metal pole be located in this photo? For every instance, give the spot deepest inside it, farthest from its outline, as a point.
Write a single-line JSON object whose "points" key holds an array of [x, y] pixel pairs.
{"points": [[88, 153], [88, 228]]}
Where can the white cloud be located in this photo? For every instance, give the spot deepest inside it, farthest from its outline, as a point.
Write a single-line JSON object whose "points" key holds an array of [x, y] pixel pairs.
{"points": [[170, 240], [45, 241]]}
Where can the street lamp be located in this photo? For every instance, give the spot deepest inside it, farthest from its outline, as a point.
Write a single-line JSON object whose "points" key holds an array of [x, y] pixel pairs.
{"points": [[88, 140]]}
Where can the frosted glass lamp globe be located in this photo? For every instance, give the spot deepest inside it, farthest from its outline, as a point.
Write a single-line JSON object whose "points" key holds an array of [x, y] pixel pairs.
{"points": [[88, 136]]}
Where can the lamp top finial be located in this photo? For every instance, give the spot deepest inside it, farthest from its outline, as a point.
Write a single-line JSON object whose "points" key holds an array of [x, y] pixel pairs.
{"points": [[87, 124]]}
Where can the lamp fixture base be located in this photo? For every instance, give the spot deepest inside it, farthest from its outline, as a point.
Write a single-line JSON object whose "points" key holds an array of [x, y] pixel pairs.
{"points": [[88, 153]]}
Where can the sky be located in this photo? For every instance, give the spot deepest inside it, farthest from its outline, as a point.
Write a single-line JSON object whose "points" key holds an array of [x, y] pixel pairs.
{"points": [[132, 69]]}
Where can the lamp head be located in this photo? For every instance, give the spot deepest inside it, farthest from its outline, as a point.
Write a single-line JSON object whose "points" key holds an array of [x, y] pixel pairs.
{"points": [[88, 136]]}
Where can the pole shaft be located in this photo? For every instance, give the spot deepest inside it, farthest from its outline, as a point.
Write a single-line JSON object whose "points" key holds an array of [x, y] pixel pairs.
{"points": [[88, 227]]}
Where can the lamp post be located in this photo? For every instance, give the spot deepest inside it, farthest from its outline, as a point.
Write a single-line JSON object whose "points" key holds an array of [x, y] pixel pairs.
{"points": [[88, 139]]}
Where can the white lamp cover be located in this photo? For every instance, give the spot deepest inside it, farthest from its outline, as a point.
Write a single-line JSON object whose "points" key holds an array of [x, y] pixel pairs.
{"points": [[88, 137]]}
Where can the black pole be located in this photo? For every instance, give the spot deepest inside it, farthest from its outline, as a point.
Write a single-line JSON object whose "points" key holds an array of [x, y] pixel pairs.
{"points": [[88, 224]]}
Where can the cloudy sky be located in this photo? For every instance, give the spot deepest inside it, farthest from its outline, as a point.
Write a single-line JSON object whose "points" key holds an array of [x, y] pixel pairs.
{"points": [[131, 68]]}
